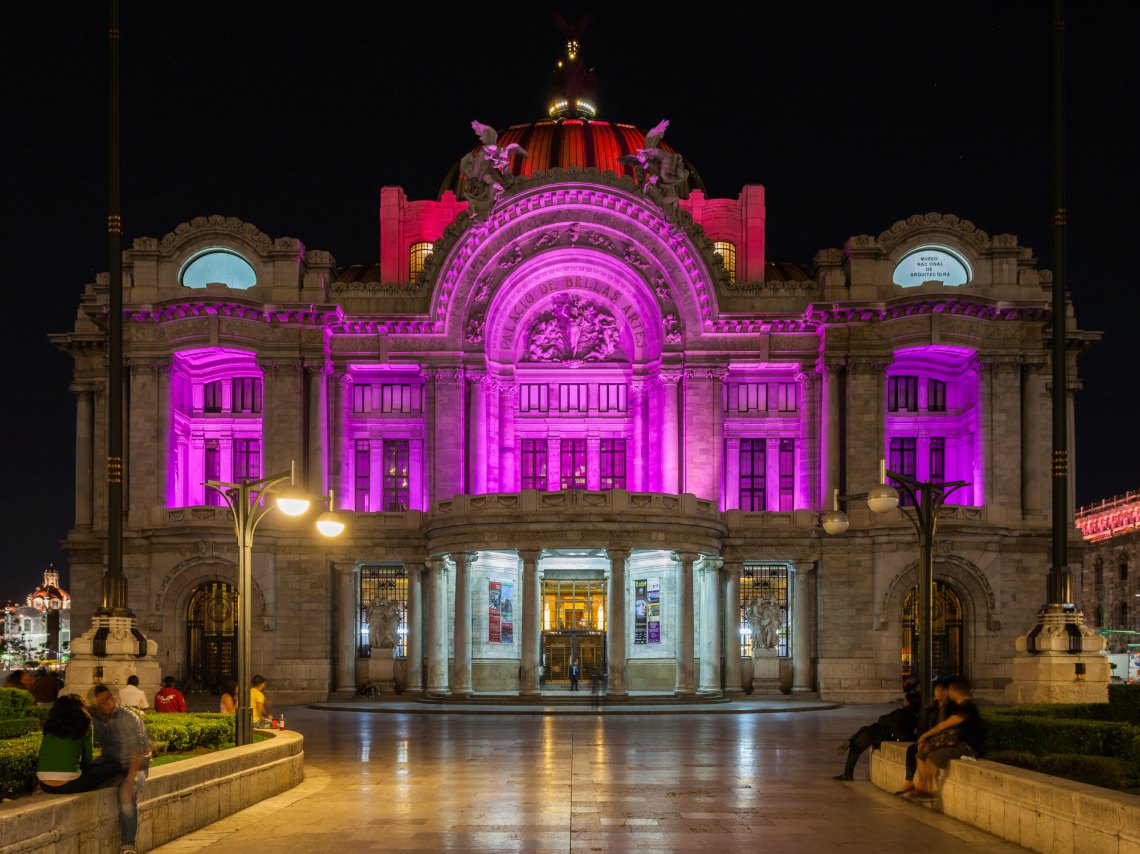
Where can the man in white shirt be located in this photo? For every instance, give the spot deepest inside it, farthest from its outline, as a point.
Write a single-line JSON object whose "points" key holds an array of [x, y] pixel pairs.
{"points": [[133, 696]]}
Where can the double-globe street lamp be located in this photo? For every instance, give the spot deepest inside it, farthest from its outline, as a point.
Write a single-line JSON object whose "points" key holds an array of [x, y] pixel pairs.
{"points": [[248, 506], [928, 498]]}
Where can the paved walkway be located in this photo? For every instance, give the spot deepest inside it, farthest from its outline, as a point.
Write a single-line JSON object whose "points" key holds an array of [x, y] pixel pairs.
{"points": [[582, 783]]}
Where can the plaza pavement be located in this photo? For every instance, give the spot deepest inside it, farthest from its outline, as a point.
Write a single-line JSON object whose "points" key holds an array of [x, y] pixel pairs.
{"points": [[667, 780]]}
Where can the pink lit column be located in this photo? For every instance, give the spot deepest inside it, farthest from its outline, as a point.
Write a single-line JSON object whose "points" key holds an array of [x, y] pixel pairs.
{"points": [[803, 601], [318, 379], [686, 643], [637, 455], [437, 682], [476, 434], [807, 449], [616, 629], [709, 681], [669, 431], [414, 649], [531, 621], [338, 476], [732, 474], [985, 436], [593, 462], [84, 457], [448, 431], [461, 666], [508, 474], [829, 429], [733, 679]]}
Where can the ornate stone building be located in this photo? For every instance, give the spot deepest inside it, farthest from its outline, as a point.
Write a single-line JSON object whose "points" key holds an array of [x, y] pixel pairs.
{"points": [[1109, 573], [41, 627], [576, 420]]}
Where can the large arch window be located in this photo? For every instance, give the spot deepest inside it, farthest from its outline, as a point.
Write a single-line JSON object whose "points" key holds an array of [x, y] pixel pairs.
{"points": [[727, 252], [946, 628], [217, 266], [418, 255], [211, 634]]}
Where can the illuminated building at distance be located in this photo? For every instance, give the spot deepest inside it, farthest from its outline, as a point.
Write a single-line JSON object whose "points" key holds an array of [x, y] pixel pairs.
{"points": [[1108, 589], [575, 418]]}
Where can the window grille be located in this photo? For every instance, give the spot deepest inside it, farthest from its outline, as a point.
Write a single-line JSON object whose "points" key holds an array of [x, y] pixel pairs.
{"points": [[903, 460], [787, 475], [946, 630], [764, 581], [573, 463], [396, 491], [385, 582], [612, 464], [362, 477], [534, 464], [247, 459], [752, 475]]}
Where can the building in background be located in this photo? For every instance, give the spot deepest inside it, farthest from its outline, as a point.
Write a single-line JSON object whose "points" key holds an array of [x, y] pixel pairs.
{"points": [[577, 421], [1109, 590], [40, 629]]}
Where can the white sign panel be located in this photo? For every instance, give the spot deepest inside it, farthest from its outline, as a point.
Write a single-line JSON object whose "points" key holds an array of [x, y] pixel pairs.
{"points": [[931, 264]]}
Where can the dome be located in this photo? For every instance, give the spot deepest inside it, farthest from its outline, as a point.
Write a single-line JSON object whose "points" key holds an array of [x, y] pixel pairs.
{"points": [[571, 144]]}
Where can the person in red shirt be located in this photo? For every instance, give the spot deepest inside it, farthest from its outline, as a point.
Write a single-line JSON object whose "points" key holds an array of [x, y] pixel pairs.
{"points": [[169, 698]]}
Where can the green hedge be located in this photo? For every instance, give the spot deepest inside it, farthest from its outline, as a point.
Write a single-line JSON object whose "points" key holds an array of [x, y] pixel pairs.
{"points": [[15, 703], [169, 733], [1106, 771], [1040, 734], [15, 727]]}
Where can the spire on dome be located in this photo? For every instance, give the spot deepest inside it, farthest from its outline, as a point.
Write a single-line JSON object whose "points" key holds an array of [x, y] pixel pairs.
{"points": [[573, 87]]}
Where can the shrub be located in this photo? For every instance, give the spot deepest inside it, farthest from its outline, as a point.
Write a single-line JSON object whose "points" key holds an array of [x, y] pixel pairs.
{"points": [[1124, 702], [1040, 735], [18, 757], [1107, 771], [15, 703], [15, 727]]}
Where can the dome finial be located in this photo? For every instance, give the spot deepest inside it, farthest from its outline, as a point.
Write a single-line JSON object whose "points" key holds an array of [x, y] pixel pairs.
{"points": [[572, 85]]}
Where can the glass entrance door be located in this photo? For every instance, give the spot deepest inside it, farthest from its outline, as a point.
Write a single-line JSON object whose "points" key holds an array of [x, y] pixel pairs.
{"points": [[573, 626]]}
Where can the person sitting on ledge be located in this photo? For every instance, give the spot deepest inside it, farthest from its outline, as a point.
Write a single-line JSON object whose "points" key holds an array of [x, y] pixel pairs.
{"points": [[896, 725], [934, 713], [960, 735]]}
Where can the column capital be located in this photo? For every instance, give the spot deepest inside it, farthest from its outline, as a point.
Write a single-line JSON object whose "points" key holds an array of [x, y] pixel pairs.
{"points": [[803, 567], [670, 376], [686, 557], [529, 555], [436, 563], [621, 554], [346, 567], [732, 567], [711, 563]]}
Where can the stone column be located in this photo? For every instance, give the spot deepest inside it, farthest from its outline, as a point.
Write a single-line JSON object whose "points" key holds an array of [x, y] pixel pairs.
{"points": [[508, 470], [803, 600], [808, 480], [593, 462], [1032, 492], [338, 476], [617, 631], [437, 682], [449, 435], [1005, 421], [476, 434], [669, 432], [318, 378], [866, 402], [531, 621], [347, 584], [164, 374], [85, 458], [414, 651], [461, 667], [733, 677], [709, 681], [985, 487], [732, 473], [685, 623], [281, 419], [829, 427], [637, 453]]}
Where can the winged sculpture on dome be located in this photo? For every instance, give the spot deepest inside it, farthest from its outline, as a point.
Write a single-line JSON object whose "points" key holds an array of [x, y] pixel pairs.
{"points": [[659, 173], [486, 170]]}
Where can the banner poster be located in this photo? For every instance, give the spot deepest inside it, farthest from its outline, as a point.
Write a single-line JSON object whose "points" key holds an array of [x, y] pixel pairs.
{"points": [[507, 613], [640, 611], [494, 612], [653, 610]]}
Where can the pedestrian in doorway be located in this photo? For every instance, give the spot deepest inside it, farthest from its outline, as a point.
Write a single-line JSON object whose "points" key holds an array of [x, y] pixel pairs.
{"points": [[575, 675]]}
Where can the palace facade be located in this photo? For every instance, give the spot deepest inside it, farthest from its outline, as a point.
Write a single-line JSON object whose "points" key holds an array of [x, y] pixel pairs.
{"points": [[582, 422]]}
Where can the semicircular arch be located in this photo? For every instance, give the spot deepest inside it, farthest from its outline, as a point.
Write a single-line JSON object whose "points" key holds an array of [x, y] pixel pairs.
{"points": [[184, 578], [967, 579]]}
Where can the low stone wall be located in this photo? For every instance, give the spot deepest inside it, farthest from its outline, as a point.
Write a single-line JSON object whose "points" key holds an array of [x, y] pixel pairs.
{"points": [[1036, 811], [178, 798]]}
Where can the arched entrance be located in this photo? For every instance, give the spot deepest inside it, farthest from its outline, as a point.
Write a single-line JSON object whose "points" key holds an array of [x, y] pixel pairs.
{"points": [[211, 634], [946, 625]]}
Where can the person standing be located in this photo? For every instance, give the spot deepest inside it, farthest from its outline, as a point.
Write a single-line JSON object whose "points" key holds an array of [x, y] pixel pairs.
{"points": [[169, 698], [575, 675], [132, 696], [126, 747]]}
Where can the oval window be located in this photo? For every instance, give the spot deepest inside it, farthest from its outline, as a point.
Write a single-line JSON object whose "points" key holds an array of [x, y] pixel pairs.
{"points": [[931, 264], [218, 267]]}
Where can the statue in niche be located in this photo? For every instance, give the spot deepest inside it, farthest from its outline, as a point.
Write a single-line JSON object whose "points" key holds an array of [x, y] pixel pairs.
{"points": [[383, 616], [764, 621], [659, 173], [486, 171], [574, 330]]}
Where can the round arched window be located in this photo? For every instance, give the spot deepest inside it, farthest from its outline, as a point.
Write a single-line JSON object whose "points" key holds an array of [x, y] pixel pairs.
{"points": [[931, 264], [217, 267]]}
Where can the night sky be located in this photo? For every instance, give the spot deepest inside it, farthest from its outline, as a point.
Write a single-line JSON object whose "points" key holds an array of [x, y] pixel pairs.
{"points": [[293, 115]]}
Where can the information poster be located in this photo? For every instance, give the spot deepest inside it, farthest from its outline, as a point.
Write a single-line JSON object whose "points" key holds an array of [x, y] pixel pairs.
{"points": [[500, 612], [495, 612], [647, 610]]}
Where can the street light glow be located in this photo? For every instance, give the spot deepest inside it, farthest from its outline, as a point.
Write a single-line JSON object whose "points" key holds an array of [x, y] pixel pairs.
{"points": [[293, 501]]}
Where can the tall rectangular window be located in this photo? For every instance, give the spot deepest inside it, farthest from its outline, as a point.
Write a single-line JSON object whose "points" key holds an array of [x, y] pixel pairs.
{"points": [[611, 397], [572, 455], [396, 491], [937, 458], [902, 394], [935, 396], [573, 397], [212, 396], [782, 397], [747, 397], [213, 471], [399, 397], [361, 397], [612, 464], [903, 459], [362, 478], [534, 397], [787, 475], [533, 465], [764, 598], [247, 394], [247, 459], [752, 474]]}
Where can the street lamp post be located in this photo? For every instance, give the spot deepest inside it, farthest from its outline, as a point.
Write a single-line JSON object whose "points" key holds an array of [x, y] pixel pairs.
{"points": [[928, 498], [247, 506]]}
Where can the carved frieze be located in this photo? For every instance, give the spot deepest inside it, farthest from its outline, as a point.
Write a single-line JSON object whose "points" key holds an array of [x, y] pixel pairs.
{"points": [[231, 225]]}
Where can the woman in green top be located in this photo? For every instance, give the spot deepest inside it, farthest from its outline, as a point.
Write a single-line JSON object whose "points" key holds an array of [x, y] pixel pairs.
{"points": [[65, 763]]}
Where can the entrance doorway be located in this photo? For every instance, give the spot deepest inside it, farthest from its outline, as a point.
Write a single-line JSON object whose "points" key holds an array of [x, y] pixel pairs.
{"points": [[946, 624], [211, 635], [573, 626]]}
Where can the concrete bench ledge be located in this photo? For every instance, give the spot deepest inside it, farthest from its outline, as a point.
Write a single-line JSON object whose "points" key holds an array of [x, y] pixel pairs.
{"points": [[1038, 812], [178, 798]]}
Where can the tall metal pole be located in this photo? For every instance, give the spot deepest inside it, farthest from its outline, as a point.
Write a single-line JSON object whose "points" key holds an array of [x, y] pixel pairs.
{"points": [[244, 525], [927, 520], [114, 599], [1058, 589]]}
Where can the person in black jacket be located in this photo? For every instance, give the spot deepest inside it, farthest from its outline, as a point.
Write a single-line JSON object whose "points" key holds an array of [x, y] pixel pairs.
{"points": [[932, 716], [897, 725]]}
